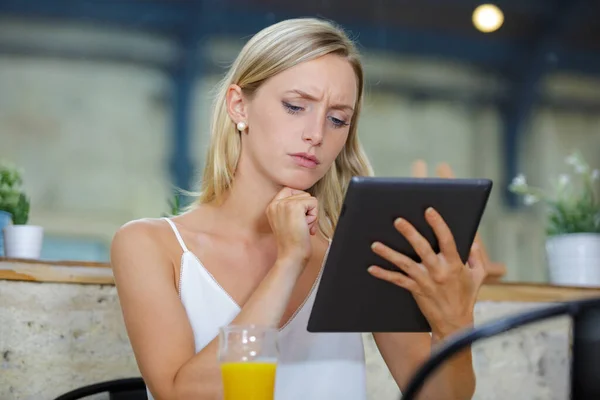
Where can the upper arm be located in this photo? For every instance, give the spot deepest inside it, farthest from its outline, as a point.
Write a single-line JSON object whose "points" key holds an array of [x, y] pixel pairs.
{"points": [[403, 353], [156, 322]]}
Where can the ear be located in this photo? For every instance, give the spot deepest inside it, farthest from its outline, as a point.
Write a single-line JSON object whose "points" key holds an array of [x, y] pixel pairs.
{"points": [[236, 107]]}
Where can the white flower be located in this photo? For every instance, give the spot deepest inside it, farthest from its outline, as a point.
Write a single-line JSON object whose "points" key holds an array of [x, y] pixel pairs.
{"points": [[519, 181], [595, 174], [577, 163], [572, 160], [563, 180], [530, 199]]}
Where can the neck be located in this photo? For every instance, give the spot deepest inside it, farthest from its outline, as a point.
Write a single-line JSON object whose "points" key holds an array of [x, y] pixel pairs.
{"points": [[247, 200]]}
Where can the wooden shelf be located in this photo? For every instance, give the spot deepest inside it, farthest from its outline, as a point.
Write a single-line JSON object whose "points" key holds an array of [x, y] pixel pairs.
{"points": [[83, 272], [534, 292]]}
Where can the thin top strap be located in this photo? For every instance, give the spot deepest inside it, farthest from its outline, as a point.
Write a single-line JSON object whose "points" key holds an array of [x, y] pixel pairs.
{"points": [[179, 239]]}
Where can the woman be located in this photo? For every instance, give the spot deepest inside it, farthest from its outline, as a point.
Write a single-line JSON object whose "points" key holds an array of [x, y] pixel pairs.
{"points": [[284, 145]]}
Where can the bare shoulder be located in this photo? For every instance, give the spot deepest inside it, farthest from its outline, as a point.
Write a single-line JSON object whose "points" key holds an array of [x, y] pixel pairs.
{"points": [[146, 234], [146, 229]]}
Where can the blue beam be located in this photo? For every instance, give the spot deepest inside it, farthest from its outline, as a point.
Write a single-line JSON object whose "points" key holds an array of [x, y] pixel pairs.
{"points": [[183, 79], [484, 50], [534, 8], [181, 165], [128, 13], [577, 62], [511, 141], [184, 76], [221, 18]]}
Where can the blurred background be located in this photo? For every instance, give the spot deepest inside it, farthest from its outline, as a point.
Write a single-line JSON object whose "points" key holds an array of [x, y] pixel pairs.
{"points": [[105, 104]]}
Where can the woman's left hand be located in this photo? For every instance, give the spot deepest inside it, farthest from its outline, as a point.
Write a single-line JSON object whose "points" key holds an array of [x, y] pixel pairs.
{"points": [[444, 288]]}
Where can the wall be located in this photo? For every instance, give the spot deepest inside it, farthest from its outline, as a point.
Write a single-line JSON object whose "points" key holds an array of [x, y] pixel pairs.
{"points": [[93, 136]]}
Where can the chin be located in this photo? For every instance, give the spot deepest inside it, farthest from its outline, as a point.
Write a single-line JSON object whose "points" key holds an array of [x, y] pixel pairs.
{"points": [[303, 181]]}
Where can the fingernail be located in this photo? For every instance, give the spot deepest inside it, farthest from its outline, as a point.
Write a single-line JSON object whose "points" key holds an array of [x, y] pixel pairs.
{"points": [[429, 210], [371, 269], [374, 245], [399, 220]]}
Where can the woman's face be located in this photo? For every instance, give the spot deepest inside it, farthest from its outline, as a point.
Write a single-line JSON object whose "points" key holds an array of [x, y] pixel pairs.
{"points": [[298, 121]]}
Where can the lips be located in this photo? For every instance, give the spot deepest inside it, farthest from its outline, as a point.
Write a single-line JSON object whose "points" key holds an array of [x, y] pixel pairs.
{"points": [[305, 160]]}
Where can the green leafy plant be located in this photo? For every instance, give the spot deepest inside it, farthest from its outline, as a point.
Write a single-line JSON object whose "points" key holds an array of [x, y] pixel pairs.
{"points": [[573, 205], [12, 195], [20, 213], [175, 206]]}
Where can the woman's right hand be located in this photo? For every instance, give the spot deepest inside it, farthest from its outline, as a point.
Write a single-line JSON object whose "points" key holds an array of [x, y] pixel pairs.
{"points": [[293, 216]]}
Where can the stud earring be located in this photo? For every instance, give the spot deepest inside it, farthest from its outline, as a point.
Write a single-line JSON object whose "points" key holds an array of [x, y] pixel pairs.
{"points": [[241, 126]]}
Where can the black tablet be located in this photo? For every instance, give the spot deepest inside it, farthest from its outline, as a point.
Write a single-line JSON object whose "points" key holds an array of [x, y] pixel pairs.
{"points": [[348, 298]]}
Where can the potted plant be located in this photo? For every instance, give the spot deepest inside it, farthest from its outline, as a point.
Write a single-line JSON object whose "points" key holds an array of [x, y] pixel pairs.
{"points": [[10, 188], [20, 239], [572, 224]]}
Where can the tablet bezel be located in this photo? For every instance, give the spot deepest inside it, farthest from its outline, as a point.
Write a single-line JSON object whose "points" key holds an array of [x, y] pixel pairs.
{"points": [[348, 298]]}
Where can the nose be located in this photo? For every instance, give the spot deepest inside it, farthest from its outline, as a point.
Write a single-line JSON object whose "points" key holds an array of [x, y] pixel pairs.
{"points": [[313, 131]]}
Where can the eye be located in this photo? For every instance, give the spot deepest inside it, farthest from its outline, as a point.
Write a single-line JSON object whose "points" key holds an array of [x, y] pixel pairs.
{"points": [[292, 109], [338, 123]]}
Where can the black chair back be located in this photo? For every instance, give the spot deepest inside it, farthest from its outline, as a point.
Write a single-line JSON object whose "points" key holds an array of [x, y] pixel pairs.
{"points": [[127, 388], [585, 362]]}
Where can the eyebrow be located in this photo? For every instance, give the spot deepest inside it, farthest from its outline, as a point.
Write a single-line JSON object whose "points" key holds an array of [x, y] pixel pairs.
{"points": [[308, 96]]}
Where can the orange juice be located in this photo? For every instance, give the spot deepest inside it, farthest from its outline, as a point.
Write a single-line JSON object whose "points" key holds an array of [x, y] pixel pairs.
{"points": [[248, 380]]}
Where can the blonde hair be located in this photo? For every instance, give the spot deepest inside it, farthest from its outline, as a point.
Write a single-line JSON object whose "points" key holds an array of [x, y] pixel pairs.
{"points": [[271, 51]]}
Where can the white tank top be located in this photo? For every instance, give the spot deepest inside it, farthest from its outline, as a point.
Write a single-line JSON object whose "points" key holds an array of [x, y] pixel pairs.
{"points": [[311, 366]]}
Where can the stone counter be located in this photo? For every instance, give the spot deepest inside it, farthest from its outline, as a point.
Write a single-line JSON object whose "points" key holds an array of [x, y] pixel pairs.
{"points": [[57, 336], [530, 363]]}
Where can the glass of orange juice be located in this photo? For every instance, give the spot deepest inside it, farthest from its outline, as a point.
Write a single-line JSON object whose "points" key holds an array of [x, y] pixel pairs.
{"points": [[248, 358]]}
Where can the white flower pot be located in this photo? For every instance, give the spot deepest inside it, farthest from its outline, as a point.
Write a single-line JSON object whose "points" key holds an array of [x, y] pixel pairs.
{"points": [[574, 259], [23, 241]]}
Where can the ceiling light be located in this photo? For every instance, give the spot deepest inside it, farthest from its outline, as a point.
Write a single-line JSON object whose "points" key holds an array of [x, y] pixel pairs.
{"points": [[488, 18]]}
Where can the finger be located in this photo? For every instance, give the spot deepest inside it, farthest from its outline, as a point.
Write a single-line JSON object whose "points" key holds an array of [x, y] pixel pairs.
{"points": [[417, 241], [444, 170], [406, 264], [482, 248], [443, 234], [305, 201], [310, 219], [311, 206], [310, 225], [288, 192], [396, 278], [494, 271], [419, 169], [283, 193], [477, 264]]}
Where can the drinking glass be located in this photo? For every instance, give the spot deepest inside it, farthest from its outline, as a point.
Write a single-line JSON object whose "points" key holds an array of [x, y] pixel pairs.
{"points": [[248, 360]]}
